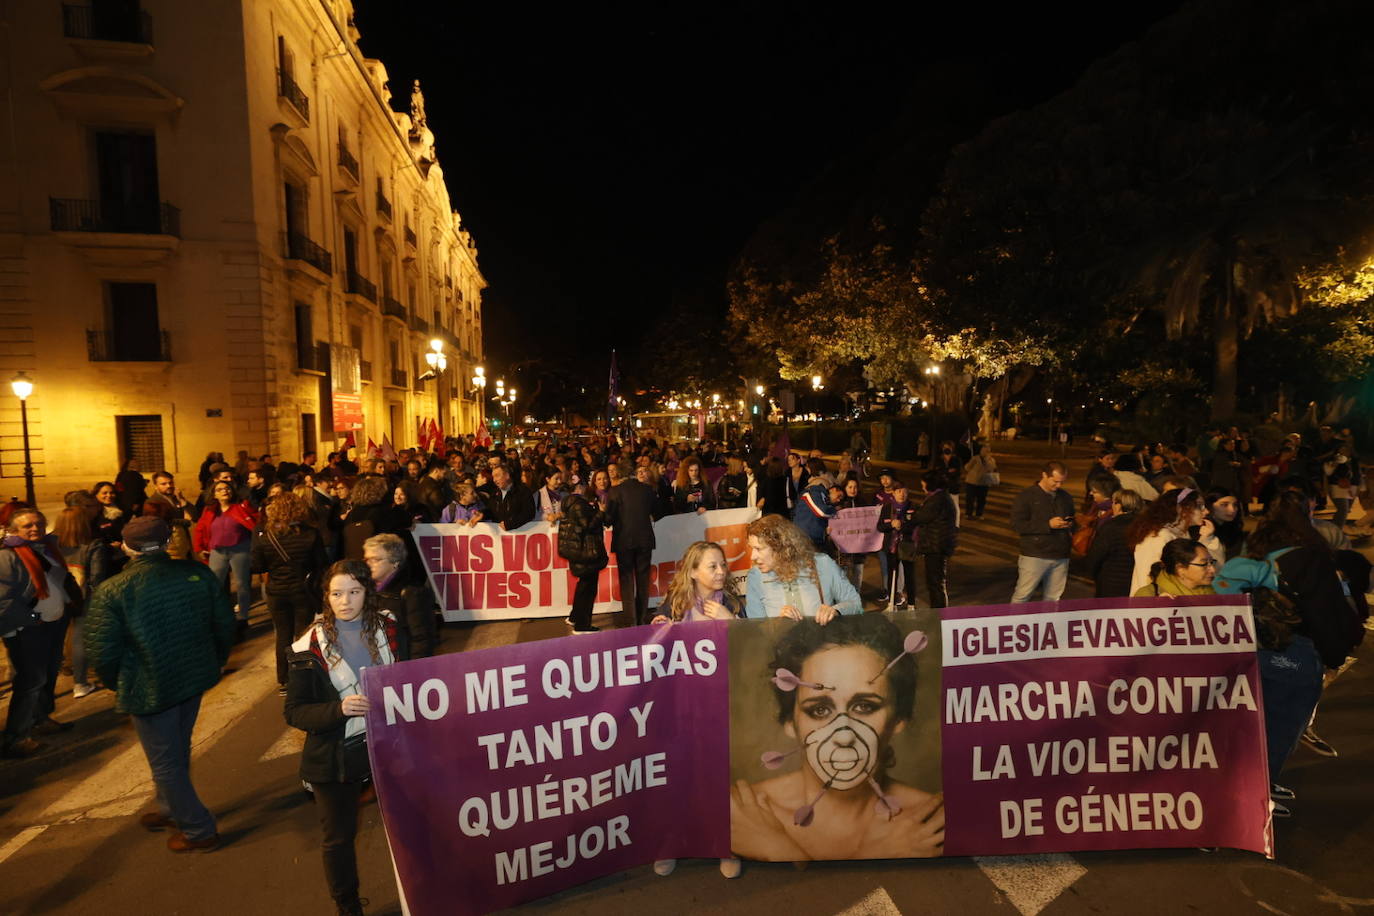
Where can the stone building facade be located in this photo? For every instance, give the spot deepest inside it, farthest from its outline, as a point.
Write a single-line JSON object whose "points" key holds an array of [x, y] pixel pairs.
{"points": [[217, 234]]}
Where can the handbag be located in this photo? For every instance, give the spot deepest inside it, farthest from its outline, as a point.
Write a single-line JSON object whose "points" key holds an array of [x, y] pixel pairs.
{"points": [[356, 764], [993, 478]]}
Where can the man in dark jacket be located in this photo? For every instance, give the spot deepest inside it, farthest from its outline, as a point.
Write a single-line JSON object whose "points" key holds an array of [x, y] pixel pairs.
{"points": [[630, 513], [160, 633], [1042, 514], [509, 501]]}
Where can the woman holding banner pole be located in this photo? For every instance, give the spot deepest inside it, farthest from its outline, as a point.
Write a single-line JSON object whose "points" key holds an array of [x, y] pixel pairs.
{"points": [[324, 700], [790, 579], [701, 590]]}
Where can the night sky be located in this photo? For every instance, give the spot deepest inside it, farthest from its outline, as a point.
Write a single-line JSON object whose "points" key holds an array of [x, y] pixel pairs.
{"points": [[609, 163]]}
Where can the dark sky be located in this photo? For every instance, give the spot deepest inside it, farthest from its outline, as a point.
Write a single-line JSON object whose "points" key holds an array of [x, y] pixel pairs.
{"points": [[611, 161]]}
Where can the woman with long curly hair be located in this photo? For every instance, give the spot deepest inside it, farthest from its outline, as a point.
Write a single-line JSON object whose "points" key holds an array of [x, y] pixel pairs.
{"points": [[790, 579], [288, 548], [691, 491], [1164, 519], [324, 700]]}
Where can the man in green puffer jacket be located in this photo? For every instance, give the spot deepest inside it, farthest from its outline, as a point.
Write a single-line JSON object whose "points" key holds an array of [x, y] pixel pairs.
{"points": [[160, 633]]}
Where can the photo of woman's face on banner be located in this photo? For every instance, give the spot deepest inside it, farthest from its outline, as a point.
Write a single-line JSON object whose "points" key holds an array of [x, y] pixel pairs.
{"points": [[835, 738]]}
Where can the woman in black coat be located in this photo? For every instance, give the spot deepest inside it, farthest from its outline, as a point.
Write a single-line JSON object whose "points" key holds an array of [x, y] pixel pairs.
{"points": [[288, 548], [936, 537], [323, 700], [582, 542], [1111, 559]]}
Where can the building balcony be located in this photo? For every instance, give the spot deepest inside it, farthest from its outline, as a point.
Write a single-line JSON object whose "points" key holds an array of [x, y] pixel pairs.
{"points": [[418, 324], [312, 357], [365, 370], [418, 384], [348, 164], [383, 206], [358, 285], [410, 237], [118, 216], [287, 89], [448, 282], [393, 308], [398, 378], [300, 248], [126, 26], [110, 347]]}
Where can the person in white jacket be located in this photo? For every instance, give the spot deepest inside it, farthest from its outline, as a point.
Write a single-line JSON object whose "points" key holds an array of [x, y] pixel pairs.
{"points": [[1168, 517]]}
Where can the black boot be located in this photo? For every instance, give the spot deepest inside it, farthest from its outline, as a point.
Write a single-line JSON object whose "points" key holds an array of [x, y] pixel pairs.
{"points": [[350, 906]]}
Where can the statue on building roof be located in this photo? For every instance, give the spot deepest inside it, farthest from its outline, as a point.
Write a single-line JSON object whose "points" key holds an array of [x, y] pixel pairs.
{"points": [[417, 107]]}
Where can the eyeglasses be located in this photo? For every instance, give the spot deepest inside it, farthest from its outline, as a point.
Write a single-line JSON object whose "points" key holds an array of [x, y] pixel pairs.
{"points": [[1206, 563]]}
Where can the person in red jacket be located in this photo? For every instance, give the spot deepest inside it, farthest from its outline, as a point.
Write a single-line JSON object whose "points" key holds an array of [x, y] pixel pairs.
{"points": [[223, 538]]}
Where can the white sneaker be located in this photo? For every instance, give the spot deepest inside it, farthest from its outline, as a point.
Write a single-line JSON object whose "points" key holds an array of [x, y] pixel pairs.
{"points": [[730, 867], [82, 690], [664, 867]]}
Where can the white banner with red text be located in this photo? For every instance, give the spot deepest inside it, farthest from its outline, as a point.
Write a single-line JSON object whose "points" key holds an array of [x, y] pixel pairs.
{"points": [[484, 573]]}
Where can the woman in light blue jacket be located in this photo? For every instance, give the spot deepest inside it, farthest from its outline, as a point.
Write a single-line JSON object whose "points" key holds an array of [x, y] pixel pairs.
{"points": [[789, 579]]}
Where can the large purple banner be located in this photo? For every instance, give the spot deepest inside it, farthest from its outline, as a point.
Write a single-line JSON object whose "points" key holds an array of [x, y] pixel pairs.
{"points": [[1134, 723], [511, 773]]}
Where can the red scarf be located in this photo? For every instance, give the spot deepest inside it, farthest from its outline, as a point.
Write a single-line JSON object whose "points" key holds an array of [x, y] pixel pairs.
{"points": [[36, 567]]}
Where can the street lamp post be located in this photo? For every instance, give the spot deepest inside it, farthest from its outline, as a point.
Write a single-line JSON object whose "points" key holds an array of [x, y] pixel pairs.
{"points": [[22, 386], [933, 373], [1050, 438], [479, 388], [816, 386]]}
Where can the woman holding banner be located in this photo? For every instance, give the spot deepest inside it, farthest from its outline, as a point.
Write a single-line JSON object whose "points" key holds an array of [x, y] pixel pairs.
{"points": [[853, 563], [790, 579], [701, 590], [849, 690], [324, 700]]}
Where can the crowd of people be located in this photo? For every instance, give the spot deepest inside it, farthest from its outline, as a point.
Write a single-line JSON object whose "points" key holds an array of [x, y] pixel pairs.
{"points": [[343, 587]]}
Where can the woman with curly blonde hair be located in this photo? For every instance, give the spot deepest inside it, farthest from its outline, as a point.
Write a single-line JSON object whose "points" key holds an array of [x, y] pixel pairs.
{"points": [[790, 579], [701, 588]]}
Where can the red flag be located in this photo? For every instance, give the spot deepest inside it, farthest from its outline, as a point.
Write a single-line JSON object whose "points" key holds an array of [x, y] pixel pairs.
{"points": [[437, 437], [422, 434], [372, 450], [483, 436], [388, 451], [348, 442]]}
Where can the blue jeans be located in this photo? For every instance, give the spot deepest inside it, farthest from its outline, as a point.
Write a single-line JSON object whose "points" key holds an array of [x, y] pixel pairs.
{"points": [[1292, 684], [885, 568], [1032, 572], [239, 559], [28, 651], [79, 667], [166, 740]]}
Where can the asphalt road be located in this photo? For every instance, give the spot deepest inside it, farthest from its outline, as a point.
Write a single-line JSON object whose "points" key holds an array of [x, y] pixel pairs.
{"points": [[70, 842]]}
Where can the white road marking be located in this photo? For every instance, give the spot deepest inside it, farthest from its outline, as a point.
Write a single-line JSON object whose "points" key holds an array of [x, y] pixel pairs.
{"points": [[18, 841], [123, 786], [1031, 882], [876, 903], [290, 742]]}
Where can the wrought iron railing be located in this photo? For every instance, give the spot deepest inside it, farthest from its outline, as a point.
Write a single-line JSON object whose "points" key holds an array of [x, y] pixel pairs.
{"points": [[418, 324], [393, 308], [300, 248], [365, 370], [410, 237], [398, 378], [131, 216], [346, 160], [287, 89], [134, 26], [108, 347], [359, 285], [383, 205]]}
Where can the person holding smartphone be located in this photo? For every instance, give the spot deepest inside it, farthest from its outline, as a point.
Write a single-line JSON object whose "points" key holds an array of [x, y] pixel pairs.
{"points": [[1042, 517]]}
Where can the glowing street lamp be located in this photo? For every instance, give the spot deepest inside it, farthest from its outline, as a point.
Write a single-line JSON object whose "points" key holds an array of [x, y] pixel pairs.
{"points": [[22, 386]]}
